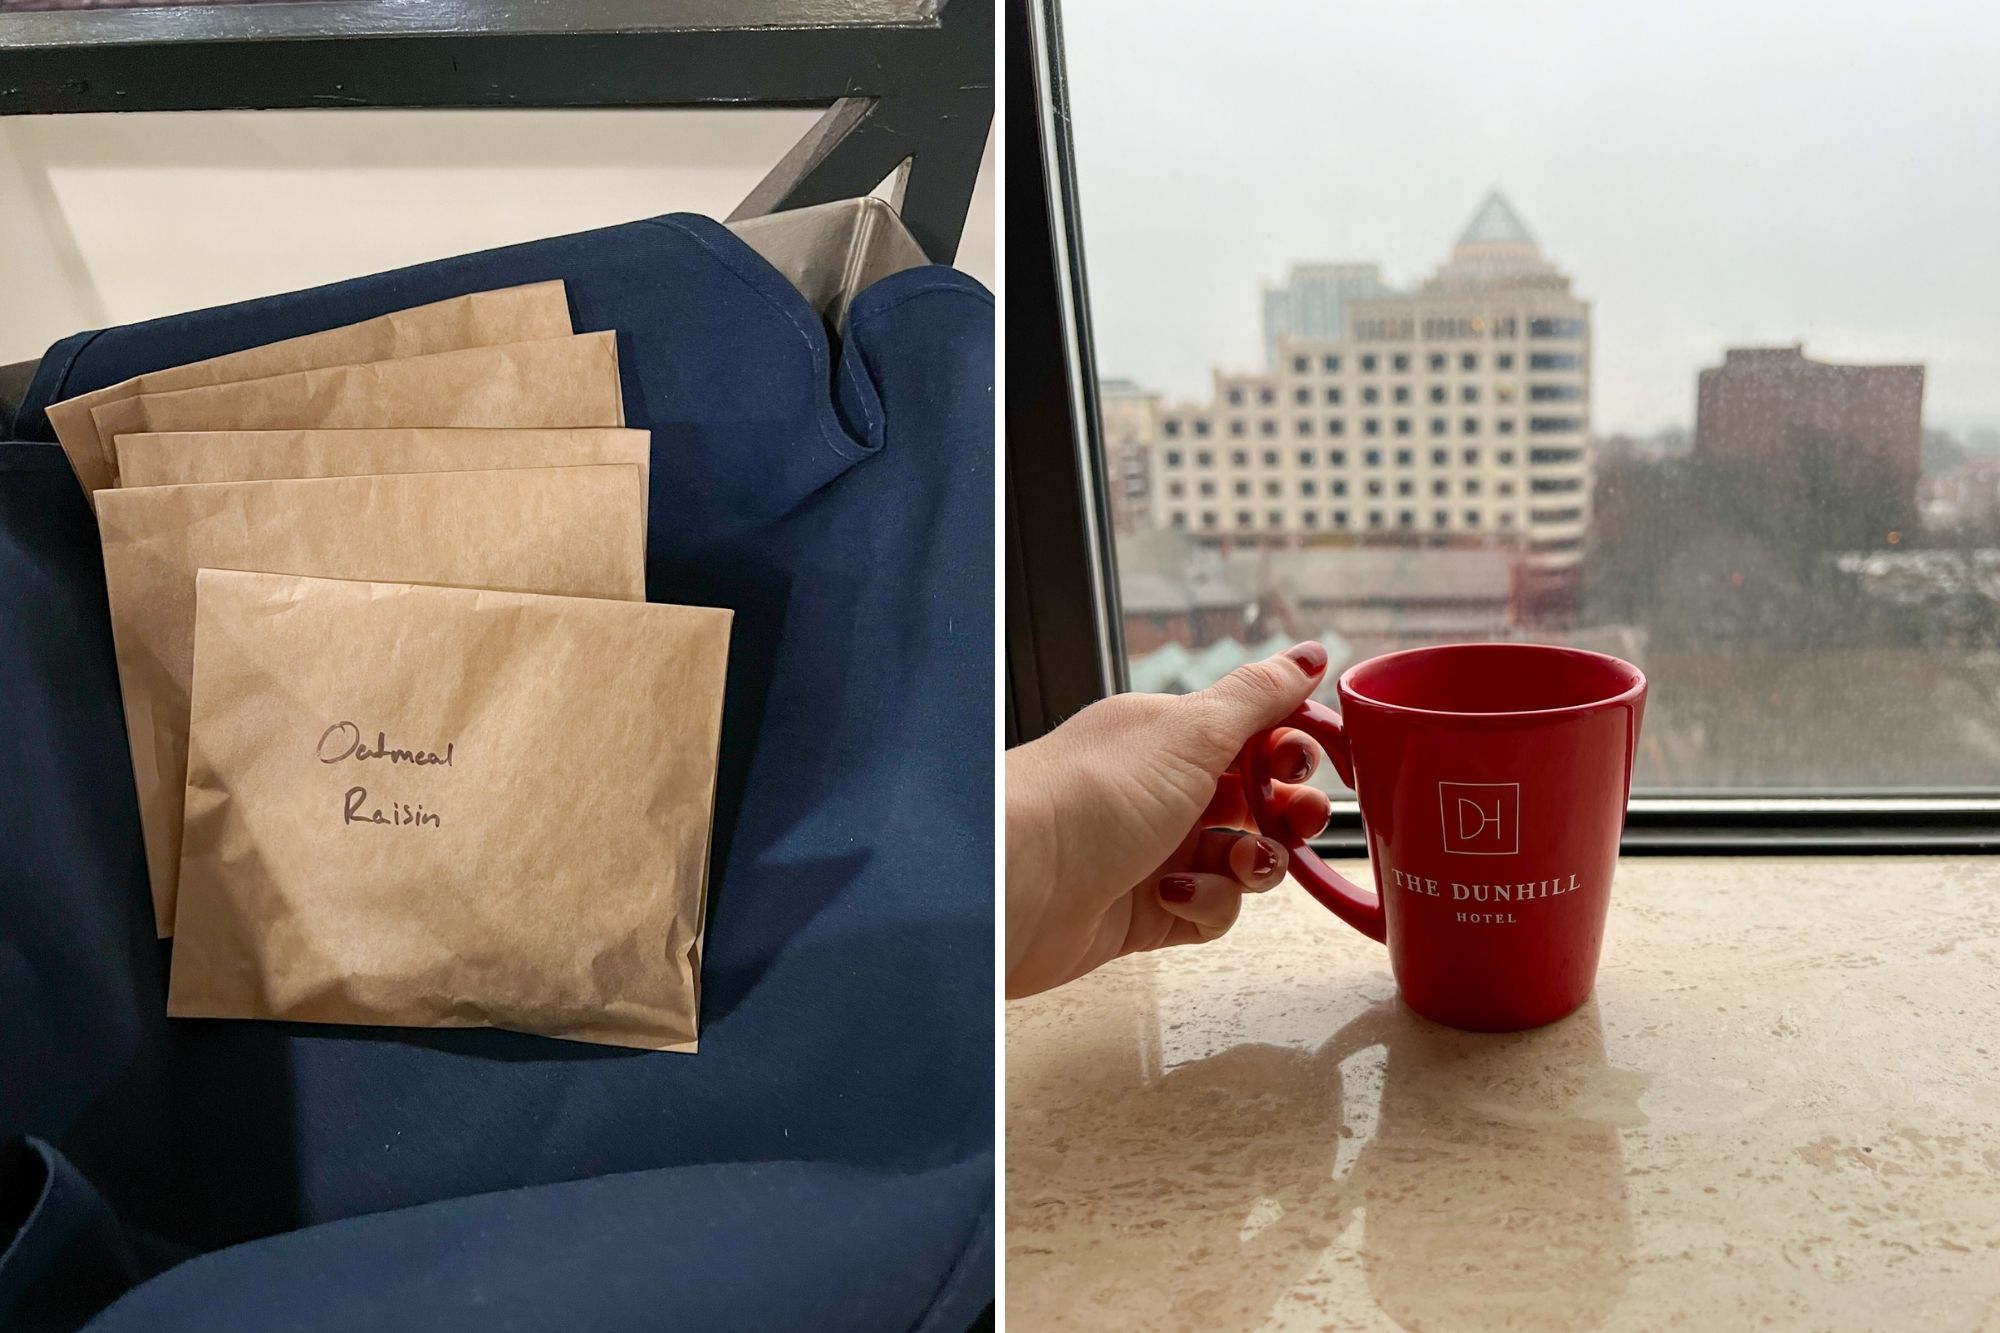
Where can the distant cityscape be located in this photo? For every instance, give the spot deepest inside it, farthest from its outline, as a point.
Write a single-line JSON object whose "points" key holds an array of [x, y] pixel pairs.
{"points": [[1419, 466]]}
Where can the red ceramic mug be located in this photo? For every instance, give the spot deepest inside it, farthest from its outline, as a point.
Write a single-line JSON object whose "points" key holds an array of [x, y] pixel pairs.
{"points": [[1492, 780]]}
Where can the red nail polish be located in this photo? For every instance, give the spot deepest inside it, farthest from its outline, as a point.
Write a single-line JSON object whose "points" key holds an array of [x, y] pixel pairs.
{"points": [[1302, 767], [1264, 859], [1311, 658], [1177, 889]]}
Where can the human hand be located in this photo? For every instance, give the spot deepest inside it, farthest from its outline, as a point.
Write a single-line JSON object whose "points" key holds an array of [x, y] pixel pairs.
{"points": [[1125, 833]]}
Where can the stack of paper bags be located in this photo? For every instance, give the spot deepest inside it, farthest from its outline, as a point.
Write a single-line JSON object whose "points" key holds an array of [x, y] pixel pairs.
{"points": [[410, 746]]}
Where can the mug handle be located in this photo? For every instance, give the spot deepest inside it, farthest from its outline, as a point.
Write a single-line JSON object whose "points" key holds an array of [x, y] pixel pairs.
{"points": [[1345, 899]]}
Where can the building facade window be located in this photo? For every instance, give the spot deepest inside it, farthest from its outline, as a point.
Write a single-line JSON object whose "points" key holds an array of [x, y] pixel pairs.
{"points": [[1555, 393]]}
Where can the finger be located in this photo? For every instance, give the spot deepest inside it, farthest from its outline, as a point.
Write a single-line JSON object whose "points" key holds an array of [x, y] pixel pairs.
{"points": [[1254, 862], [1205, 904], [1228, 809], [1209, 727], [1307, 810], [1294, 755]]}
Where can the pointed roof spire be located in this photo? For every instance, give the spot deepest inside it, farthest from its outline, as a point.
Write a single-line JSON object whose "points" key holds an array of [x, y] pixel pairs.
{"points": [[1496, 223]]}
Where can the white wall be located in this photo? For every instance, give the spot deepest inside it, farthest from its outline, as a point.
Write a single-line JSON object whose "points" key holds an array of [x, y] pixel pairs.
{"points": [[112, 218]]}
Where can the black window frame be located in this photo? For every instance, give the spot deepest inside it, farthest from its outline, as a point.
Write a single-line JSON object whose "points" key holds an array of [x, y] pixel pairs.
{"points": [[1064, 642]]}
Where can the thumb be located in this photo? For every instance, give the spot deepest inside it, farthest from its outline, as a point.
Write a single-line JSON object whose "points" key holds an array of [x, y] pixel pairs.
{"points": [[1214, 723]]}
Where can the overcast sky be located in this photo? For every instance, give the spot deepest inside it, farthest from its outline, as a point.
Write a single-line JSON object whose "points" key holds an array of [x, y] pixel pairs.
{"points": [[1709, 174]]}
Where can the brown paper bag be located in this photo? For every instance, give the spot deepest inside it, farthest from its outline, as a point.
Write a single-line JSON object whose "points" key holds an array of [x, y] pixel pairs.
{"points": [[572, 530], [554, 382], [483, 319], [448, 822], [190, 457]]}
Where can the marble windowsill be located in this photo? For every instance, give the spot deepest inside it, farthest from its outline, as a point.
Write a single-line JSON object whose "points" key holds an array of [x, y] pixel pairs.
{"points": [[1781, 1107]]}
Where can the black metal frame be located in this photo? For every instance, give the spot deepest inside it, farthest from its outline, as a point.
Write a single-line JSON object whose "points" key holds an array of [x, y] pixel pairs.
{"points": [[908, 84], [1063, 649]]}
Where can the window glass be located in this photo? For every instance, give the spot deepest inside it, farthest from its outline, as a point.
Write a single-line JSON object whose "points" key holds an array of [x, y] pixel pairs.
{"points": [[1751, 408]]}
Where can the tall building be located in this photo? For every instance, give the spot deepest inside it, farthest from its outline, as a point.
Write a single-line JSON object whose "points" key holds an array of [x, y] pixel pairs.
{"points": [[1311, 306], [1129, 418], [1814, 455], [1457, 412]]}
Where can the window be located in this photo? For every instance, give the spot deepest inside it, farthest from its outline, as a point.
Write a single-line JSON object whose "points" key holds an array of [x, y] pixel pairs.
{"points": [[1340, 518], [1310, 518], [1273, 488], [1180, 518], [1308, 487], [1207, 490], [1236, 397], [1208, 518], [1270, 458], [1203, 458], [1440, 487], [1402, 458], [1240, 458], [1176, 489], [1236, 426], [1306, 458], [1371, 394], [1471, 457], [1172, 427], [1441, 519], [1402, 393], [1407, 519], [1402, 425], [1374, 487], [1337, 457], [1243, 518], [1336, 426], [1833, 614], [1266, 397], [1405, 488], [1302, 395], [1300, 365], [1268, 426], [1201, 428], [1274, 518], [1555, 328], [1173, 458], [1439, 457], [1243, 489], [1340, 488]]}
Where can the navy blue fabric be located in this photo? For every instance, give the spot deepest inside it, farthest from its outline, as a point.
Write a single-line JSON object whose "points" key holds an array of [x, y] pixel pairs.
{"points": [[840, 501]]}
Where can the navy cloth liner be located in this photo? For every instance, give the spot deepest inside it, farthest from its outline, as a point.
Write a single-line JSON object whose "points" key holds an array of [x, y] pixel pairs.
{"points": [[827, 1157]]}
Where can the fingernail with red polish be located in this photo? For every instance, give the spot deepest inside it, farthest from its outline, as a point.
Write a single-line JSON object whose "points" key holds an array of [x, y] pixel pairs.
{"points": [[1300, 768], [1177, 889], [1311, 658], [1263, 857]]}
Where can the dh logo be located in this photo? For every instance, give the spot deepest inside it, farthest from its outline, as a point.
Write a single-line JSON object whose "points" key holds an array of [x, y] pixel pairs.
{"points": [[1481, 818]]}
